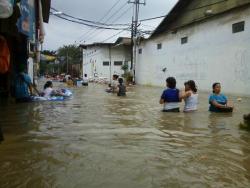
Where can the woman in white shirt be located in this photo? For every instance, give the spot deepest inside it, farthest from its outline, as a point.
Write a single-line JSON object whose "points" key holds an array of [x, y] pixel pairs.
{"points": [[190, 96]]}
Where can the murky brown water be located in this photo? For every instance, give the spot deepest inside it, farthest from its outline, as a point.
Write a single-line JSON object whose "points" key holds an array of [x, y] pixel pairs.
{"points": [[100, 140]]}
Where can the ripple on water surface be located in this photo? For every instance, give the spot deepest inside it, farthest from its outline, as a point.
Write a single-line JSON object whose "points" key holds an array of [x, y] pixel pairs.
{"points": [[100, 140]]}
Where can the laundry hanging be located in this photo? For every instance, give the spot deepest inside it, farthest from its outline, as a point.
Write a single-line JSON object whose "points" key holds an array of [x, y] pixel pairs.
{"points": [[4, 56]]}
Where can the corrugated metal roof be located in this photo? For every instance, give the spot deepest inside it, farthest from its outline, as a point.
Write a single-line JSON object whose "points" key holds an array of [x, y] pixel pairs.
{"points": [[186, 12]]}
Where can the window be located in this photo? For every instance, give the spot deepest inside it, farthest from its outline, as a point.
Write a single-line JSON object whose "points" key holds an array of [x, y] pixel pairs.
{"points": [[238, 27], [159, 46], [140, 51], [184, 40], [105, 63], [118, 63]]}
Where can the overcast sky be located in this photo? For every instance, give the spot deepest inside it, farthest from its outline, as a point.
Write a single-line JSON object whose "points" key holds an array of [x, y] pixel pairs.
{"points": [[60, 32]]}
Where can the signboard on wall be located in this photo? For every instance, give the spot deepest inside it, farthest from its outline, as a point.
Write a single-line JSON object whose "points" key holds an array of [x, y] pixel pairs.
{"points": [[26, 23]]}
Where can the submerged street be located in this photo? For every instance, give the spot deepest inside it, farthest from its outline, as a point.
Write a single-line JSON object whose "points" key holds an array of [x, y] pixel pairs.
{"points": [[100, 140]]}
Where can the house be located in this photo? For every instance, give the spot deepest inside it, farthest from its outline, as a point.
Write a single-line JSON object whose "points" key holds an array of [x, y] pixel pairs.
{"points": [[97, 58], [204, 40]]}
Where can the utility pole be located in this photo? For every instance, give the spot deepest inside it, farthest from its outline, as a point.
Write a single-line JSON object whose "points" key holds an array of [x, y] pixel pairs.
{"points": [[134, 32], [110, 68], [67, 61]]}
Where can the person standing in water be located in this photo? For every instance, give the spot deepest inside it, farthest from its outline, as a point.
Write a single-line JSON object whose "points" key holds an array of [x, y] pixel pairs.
{"points": [[170, 97], [23, 87], [219, 102], [121, 88], [190, 96], [85, 80]]}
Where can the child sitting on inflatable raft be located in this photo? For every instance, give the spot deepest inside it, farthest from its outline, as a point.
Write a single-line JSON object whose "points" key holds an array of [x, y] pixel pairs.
{"points": [[49, 91]]}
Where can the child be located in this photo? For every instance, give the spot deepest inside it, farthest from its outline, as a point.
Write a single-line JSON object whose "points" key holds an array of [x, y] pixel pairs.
{"points": [[114, 85], [170, 98], [49, 91], [190, 96], [218, 102], [70, 82], [121, 88]]}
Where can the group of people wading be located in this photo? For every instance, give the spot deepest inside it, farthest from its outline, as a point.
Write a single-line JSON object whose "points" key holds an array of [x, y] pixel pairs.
{"points": [[171, 98]]}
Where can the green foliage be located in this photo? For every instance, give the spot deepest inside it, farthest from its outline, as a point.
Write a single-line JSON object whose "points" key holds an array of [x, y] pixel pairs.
{"points": [[72, 53], [49, 52], [125, 67], [68, 54]]}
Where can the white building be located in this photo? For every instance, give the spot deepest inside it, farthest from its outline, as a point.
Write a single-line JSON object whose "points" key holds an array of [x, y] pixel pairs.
{"points": [[97, 58], [204, 40]]}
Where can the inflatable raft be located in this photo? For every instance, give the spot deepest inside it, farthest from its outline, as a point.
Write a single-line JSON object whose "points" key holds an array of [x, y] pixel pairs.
{"points": [[67, 95]]}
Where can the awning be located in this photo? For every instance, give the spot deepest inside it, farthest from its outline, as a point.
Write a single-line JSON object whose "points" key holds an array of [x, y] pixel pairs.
{"points": [[47, 58], [46, 10]]}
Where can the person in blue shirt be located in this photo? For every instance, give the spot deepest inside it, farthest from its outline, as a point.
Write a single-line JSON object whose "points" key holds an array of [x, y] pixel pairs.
{"points": [[170, 97], [23, 86], [219, 102]]}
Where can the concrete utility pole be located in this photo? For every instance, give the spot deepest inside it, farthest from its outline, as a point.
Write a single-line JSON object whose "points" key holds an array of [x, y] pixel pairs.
{"points": [[67, 61], [134, 32]]}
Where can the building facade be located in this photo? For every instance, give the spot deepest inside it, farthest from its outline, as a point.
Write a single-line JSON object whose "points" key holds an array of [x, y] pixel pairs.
{"points": [[206, 41], [97, 58]]}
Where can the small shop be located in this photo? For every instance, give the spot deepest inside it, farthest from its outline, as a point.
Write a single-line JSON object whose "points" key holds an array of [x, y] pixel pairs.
{"points": [[21, 35]]}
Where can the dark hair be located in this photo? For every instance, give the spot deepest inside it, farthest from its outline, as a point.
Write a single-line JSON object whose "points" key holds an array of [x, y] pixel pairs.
{"points": [[21, 68], [85, 75], [214, 85], [120, 80], [192, 85], [115, 76], [48, 84], [171, 82]]}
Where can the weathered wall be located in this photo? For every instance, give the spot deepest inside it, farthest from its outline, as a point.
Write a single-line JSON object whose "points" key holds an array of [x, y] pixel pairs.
{"points": [[213, 54], [93, 59], [196, 10]]}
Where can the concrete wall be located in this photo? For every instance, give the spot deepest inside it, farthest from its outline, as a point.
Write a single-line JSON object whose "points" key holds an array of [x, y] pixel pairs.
{"points": [[213, 54], [93, 58]]}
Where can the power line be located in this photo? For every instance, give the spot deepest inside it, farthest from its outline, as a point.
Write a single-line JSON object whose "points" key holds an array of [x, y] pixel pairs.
{"points": [[88, 21], [106, 21], [89, 25], [148, 19], [114, 35], [112, 22], [103, 17]]}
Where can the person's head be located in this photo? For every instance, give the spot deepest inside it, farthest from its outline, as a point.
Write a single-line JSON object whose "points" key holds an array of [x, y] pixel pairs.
{"points": [[216, 88], [247, 119], [190, 85], [21, 68], [85, 75], [115, 77], [120, 80], [48, 84], [171, 82]]}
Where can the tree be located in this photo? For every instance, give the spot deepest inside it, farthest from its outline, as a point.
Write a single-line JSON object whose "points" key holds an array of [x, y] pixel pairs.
{"points": [[69, 55]]}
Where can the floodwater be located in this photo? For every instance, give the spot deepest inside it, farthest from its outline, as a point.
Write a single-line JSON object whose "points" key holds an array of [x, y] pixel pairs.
{"points": [[99, 140]]}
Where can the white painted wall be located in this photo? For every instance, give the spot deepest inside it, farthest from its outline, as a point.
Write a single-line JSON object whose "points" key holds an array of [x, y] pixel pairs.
{"points": [[94, 56], [213, 54]]}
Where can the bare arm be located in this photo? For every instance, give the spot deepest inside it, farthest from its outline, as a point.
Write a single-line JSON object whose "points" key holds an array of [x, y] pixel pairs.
{"points": [[161, 101], [184, 95], [36, 90], [30, 89], [218, 105]]}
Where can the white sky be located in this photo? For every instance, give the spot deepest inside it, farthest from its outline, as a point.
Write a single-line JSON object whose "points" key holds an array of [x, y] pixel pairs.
{"points": [[60, 32]]}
